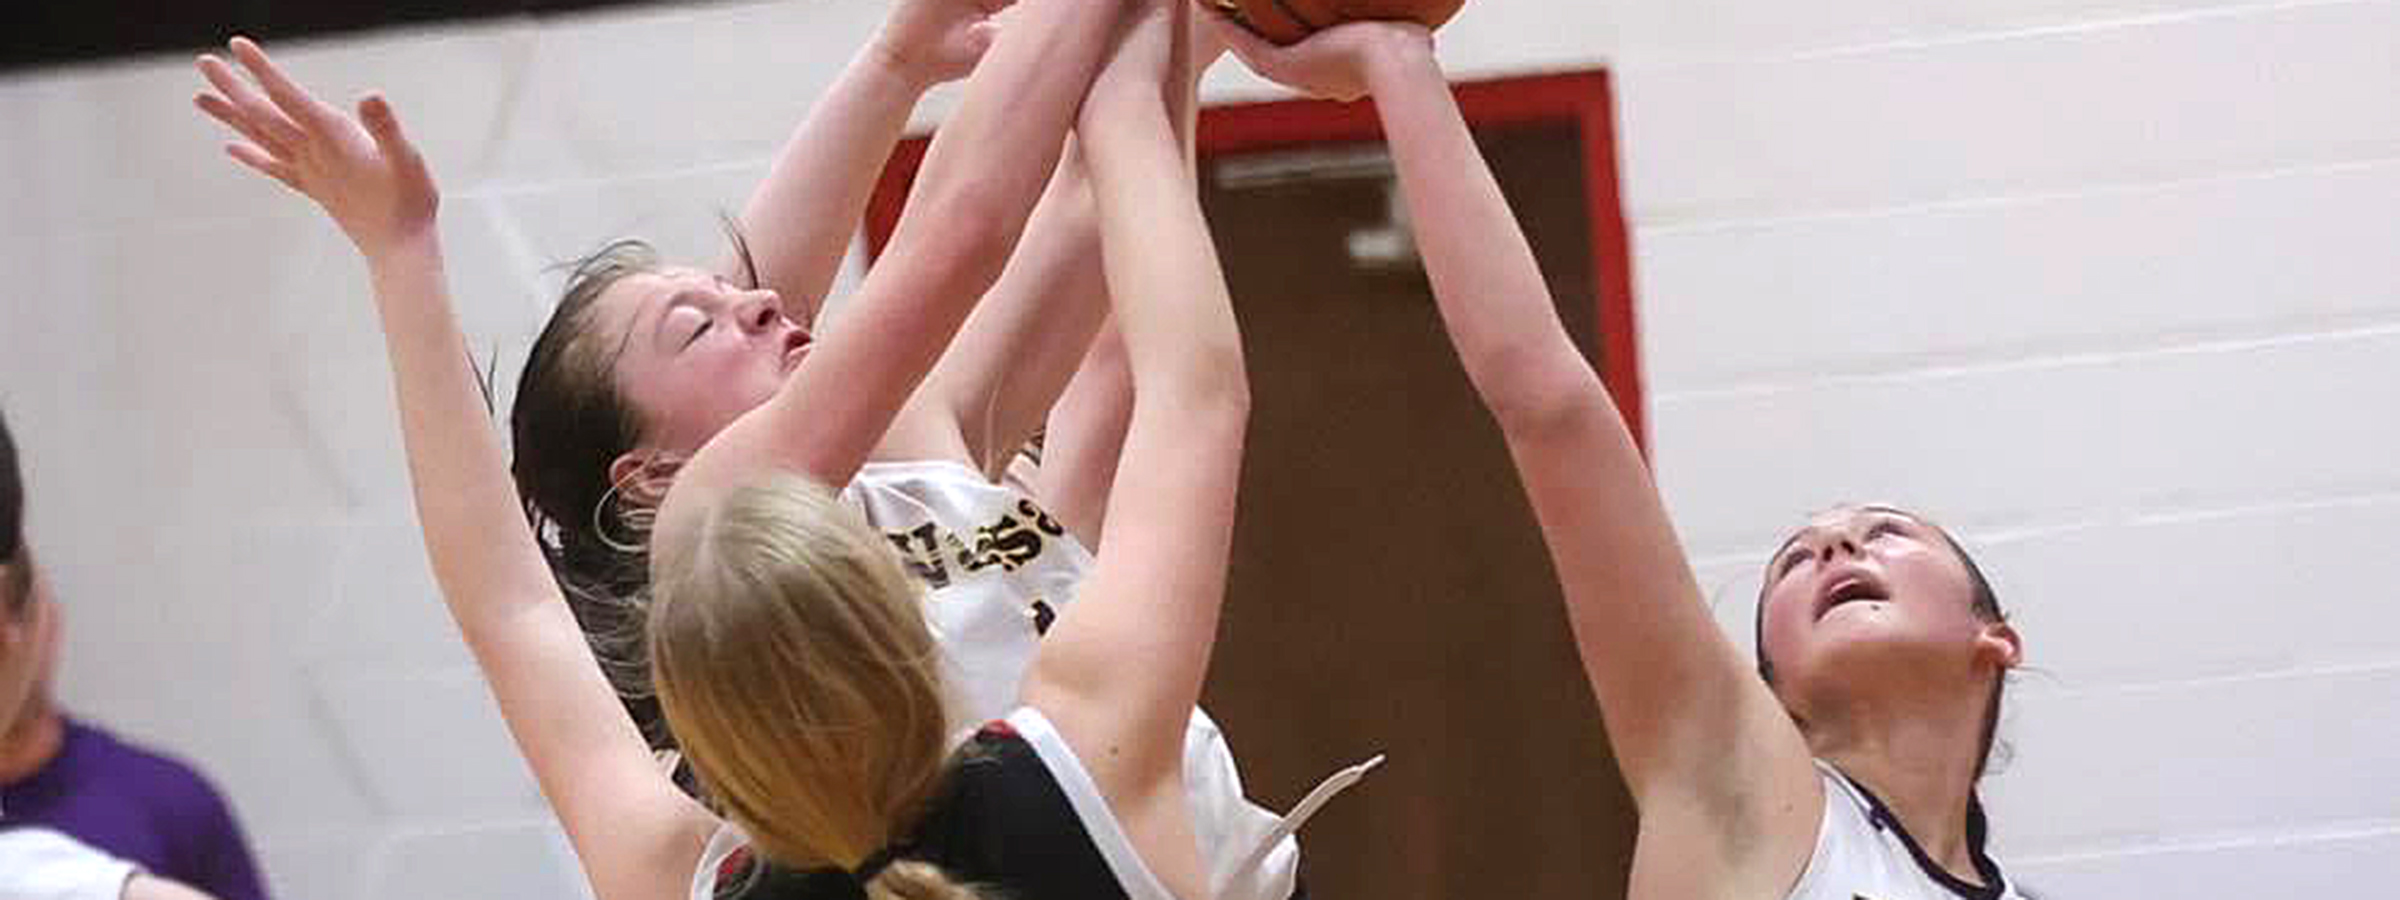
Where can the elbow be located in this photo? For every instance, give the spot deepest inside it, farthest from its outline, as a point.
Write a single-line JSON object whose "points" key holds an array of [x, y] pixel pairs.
{"points": [[1535, 400], [1208, 389], [1219, 391]]}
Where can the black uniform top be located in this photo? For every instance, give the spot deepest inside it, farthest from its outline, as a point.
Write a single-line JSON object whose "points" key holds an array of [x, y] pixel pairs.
{"points": [[1000, 821]]}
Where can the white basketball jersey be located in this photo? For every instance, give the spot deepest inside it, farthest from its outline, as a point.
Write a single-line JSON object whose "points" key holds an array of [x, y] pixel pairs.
{"points": [[997, 567], [1000, 570], [1863, 854]]}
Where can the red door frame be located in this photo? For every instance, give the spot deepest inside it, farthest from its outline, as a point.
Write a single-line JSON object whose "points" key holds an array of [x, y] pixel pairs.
{"points": [[1582, 98]]}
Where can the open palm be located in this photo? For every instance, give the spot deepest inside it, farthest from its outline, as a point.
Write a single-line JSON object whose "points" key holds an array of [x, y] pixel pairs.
{"points": [[363, 171]]}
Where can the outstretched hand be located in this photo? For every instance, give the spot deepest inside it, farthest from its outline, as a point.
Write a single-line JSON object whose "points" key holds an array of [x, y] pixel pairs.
{"points": [[1331, 64], [362, 171], [935, 41]]}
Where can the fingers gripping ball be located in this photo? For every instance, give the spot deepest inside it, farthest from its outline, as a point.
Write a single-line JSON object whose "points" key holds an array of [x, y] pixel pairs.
{"points": [[1287, 21]]}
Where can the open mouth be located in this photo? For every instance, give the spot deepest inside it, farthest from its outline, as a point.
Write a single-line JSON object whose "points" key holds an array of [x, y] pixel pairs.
{"points": [[1852, 587], [795, 345]]}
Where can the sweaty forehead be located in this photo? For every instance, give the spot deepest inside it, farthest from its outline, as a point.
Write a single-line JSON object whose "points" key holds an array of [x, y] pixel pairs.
{"points": [[1852, 512], [636, 297], [640, 289], [1835, 518]]}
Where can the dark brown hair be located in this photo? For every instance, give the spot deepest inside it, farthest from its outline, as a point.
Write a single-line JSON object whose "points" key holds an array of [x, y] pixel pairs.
{"points": [[569, 423]]}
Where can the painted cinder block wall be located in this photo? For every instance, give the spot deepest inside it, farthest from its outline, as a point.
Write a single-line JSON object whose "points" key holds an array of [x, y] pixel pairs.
{"points": [[2113, 288]]}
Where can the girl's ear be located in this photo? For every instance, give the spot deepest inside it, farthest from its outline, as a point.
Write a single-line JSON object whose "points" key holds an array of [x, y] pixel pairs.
{"points": [[642, 476], [1999, 643]]}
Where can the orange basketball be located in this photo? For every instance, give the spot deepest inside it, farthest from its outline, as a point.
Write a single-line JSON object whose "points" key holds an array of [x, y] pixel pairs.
{"points": [[1286, 21]]}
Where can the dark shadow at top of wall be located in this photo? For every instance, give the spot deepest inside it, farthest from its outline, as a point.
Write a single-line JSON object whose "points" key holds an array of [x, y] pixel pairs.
{"points": [[57, 32]]}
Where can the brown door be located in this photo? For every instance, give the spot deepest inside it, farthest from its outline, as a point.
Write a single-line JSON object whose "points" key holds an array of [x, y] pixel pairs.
{"points": [[1389, 592]]}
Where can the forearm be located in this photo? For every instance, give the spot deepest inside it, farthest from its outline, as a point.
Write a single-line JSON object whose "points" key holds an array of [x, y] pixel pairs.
{"points": [[800, 221], [592, 765], [1672, 690], [1172, 310], [1012, 360], [981, 177], [482, 553], [1486, 282], [994, 157], [1084, 437]]}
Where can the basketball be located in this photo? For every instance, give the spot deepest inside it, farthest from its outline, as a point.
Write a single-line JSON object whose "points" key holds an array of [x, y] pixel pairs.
{"points": [[1287, 21]]}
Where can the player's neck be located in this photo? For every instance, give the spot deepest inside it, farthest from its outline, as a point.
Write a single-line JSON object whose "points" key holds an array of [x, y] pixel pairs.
{"points": [[33, 740], [1921, 759]]}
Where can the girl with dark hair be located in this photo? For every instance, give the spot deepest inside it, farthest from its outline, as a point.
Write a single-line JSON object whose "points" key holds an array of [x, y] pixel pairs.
{"points": [[792, 664], [603, 426], [1850, 771], [600, 422], [637, 834]]}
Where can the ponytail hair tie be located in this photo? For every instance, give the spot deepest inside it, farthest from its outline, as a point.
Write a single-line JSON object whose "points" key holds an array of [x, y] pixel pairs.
{"points": [[874, 865]]}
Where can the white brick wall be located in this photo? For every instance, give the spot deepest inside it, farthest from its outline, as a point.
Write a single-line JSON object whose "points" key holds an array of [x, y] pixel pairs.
{"points": [[2107, 284]]}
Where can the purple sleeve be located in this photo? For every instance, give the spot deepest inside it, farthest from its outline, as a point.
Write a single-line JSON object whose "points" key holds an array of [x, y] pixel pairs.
{"points": [[213, 855]]}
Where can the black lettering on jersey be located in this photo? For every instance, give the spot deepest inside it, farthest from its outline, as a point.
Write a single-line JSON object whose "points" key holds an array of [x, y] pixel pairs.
{"points": [[920, 550], [1006, 543], [1043, 615], [1041, 520], [1009, 543]]}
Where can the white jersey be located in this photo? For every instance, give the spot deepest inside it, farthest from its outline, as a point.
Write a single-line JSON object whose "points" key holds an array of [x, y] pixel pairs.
{"points": [[41, 864], [1000, 571], [1863, 854], [998, 567]]}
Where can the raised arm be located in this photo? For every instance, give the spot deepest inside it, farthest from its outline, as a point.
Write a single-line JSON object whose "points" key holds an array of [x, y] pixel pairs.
{"points": [[1085, 437], [1701, 742], [800, 221], [1120, 673], [637, 835], [1027, 359], [1016, 352], [990, 162]]}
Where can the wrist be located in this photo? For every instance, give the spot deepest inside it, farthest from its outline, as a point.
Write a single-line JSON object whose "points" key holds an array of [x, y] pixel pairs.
{"points": [[898, 63], [405, 250], [1394, 54], [1123, 123], [1112, 99]]}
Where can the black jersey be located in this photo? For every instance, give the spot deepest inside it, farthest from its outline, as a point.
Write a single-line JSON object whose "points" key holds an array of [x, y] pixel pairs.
{"points": [[1006, 818]]}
